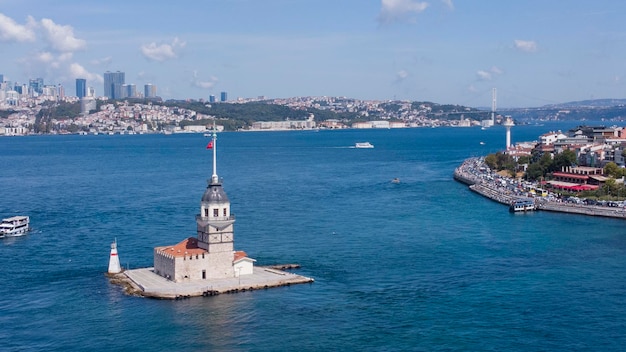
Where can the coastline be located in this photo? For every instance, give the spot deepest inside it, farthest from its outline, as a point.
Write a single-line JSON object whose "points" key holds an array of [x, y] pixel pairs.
{"points": [[479, 178]]}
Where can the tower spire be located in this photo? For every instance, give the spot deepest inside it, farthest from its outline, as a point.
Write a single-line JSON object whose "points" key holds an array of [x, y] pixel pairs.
{"points": [[214, 178]]}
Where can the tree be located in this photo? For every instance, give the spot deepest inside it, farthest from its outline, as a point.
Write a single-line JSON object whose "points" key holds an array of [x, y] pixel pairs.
{"points": [[612, 170], [610, 187], [491, 161], [564, 159], [524, 159], [545, 162], [534, 172]]}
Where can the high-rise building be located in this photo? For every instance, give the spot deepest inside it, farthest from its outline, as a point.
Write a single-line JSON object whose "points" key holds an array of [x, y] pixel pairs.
{"points": [[211, 98], [81, 87], [91, 92], [129, 91], [223, 96], [113, 82], [35, 86], [150, 90], [1, 78]]}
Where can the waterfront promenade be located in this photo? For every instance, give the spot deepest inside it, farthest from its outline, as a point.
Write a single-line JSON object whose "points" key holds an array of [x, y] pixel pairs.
{"points": [[482, 180]]}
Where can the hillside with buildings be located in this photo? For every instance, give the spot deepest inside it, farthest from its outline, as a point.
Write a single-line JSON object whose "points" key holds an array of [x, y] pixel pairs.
{"points": [[37, 108]]}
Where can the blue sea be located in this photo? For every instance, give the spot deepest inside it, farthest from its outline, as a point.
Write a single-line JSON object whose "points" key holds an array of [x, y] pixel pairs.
{"points": [[423, 265]]}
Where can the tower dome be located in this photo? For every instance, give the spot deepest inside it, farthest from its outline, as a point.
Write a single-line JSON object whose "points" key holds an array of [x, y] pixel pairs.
{"points": [[214, 194]]}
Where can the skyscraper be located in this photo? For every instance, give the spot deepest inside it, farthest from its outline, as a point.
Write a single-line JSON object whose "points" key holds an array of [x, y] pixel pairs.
{"points": [[36, 85], [81, 87], [128, 91], [1, 78], [113, 82], [211, 98], [150, 91], [223, 96]]}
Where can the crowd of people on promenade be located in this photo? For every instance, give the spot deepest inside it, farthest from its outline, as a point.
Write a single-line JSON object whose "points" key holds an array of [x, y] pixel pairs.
{"points": [[475, 171], [503, 189]]}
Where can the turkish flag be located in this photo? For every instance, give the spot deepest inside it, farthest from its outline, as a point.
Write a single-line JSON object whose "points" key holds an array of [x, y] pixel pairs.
{"points": [[210, 145]]}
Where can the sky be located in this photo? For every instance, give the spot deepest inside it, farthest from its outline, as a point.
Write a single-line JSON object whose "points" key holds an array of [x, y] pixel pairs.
{"points": [[534, 52]]}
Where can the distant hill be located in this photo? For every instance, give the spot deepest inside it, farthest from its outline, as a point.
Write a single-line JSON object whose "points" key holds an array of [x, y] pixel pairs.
{"points": [[594, 103]]}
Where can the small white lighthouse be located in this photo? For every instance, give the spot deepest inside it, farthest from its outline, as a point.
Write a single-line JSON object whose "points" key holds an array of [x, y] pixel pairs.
{"points": [[114, 260]]}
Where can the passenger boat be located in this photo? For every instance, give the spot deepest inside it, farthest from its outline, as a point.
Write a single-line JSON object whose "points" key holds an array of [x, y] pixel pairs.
{"points": [[522, 205], [14, 226], [361, 145]]}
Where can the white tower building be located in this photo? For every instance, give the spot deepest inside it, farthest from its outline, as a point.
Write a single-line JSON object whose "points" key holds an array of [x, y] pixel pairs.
{"points": [[114, 260], [508, 123], [211, 254], [215, 224]]}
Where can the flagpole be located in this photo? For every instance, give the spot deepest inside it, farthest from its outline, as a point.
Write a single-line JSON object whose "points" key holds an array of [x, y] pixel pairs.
{"points": [[214, 178]]}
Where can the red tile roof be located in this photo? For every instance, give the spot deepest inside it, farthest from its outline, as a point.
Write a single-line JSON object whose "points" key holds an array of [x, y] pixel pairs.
{"points": [[187, 247], [564, 174], [239, 255]]}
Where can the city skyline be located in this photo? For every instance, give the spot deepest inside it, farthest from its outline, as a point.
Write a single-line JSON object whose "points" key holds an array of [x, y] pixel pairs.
{"points": [[445, 51]]}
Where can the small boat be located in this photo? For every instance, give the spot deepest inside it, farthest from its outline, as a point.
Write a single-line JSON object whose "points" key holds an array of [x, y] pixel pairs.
{"points": [[395, 180], [14, 226], [522, 205], [363, 145], [482, 143]]}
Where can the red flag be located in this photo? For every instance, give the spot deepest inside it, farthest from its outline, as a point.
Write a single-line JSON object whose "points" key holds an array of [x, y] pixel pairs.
{"points": [[210, 145]]}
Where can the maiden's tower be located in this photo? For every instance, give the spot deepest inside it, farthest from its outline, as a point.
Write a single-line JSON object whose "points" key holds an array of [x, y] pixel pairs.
{"points": [[207, 264], [211, 254]]}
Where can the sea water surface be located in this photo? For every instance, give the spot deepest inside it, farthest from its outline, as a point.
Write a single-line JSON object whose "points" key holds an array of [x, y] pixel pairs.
{"points": [[423, 265]]}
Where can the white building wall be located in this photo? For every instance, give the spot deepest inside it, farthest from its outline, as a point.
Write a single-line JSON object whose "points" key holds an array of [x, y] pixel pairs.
{"points": [[244, 266], [164, 265]]}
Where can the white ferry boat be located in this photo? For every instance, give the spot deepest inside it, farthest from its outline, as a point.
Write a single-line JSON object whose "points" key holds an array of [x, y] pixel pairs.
{"points": [[362, 145], [14, 226], [522, 205]]}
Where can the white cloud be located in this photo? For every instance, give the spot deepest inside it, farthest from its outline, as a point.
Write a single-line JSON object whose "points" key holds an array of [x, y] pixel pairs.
{"points": [[203, 84], [484, 75], [528, 46], [78, 71], [44, 56], [61, 38], [401, 75], [495, 70], [397, 10], [103, 61], [162, 52], [11, 31], [488, 75], [448, 3]]}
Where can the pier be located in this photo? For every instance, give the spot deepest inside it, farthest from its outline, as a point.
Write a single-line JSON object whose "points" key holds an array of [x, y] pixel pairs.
{"points": [[144, 282]]}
